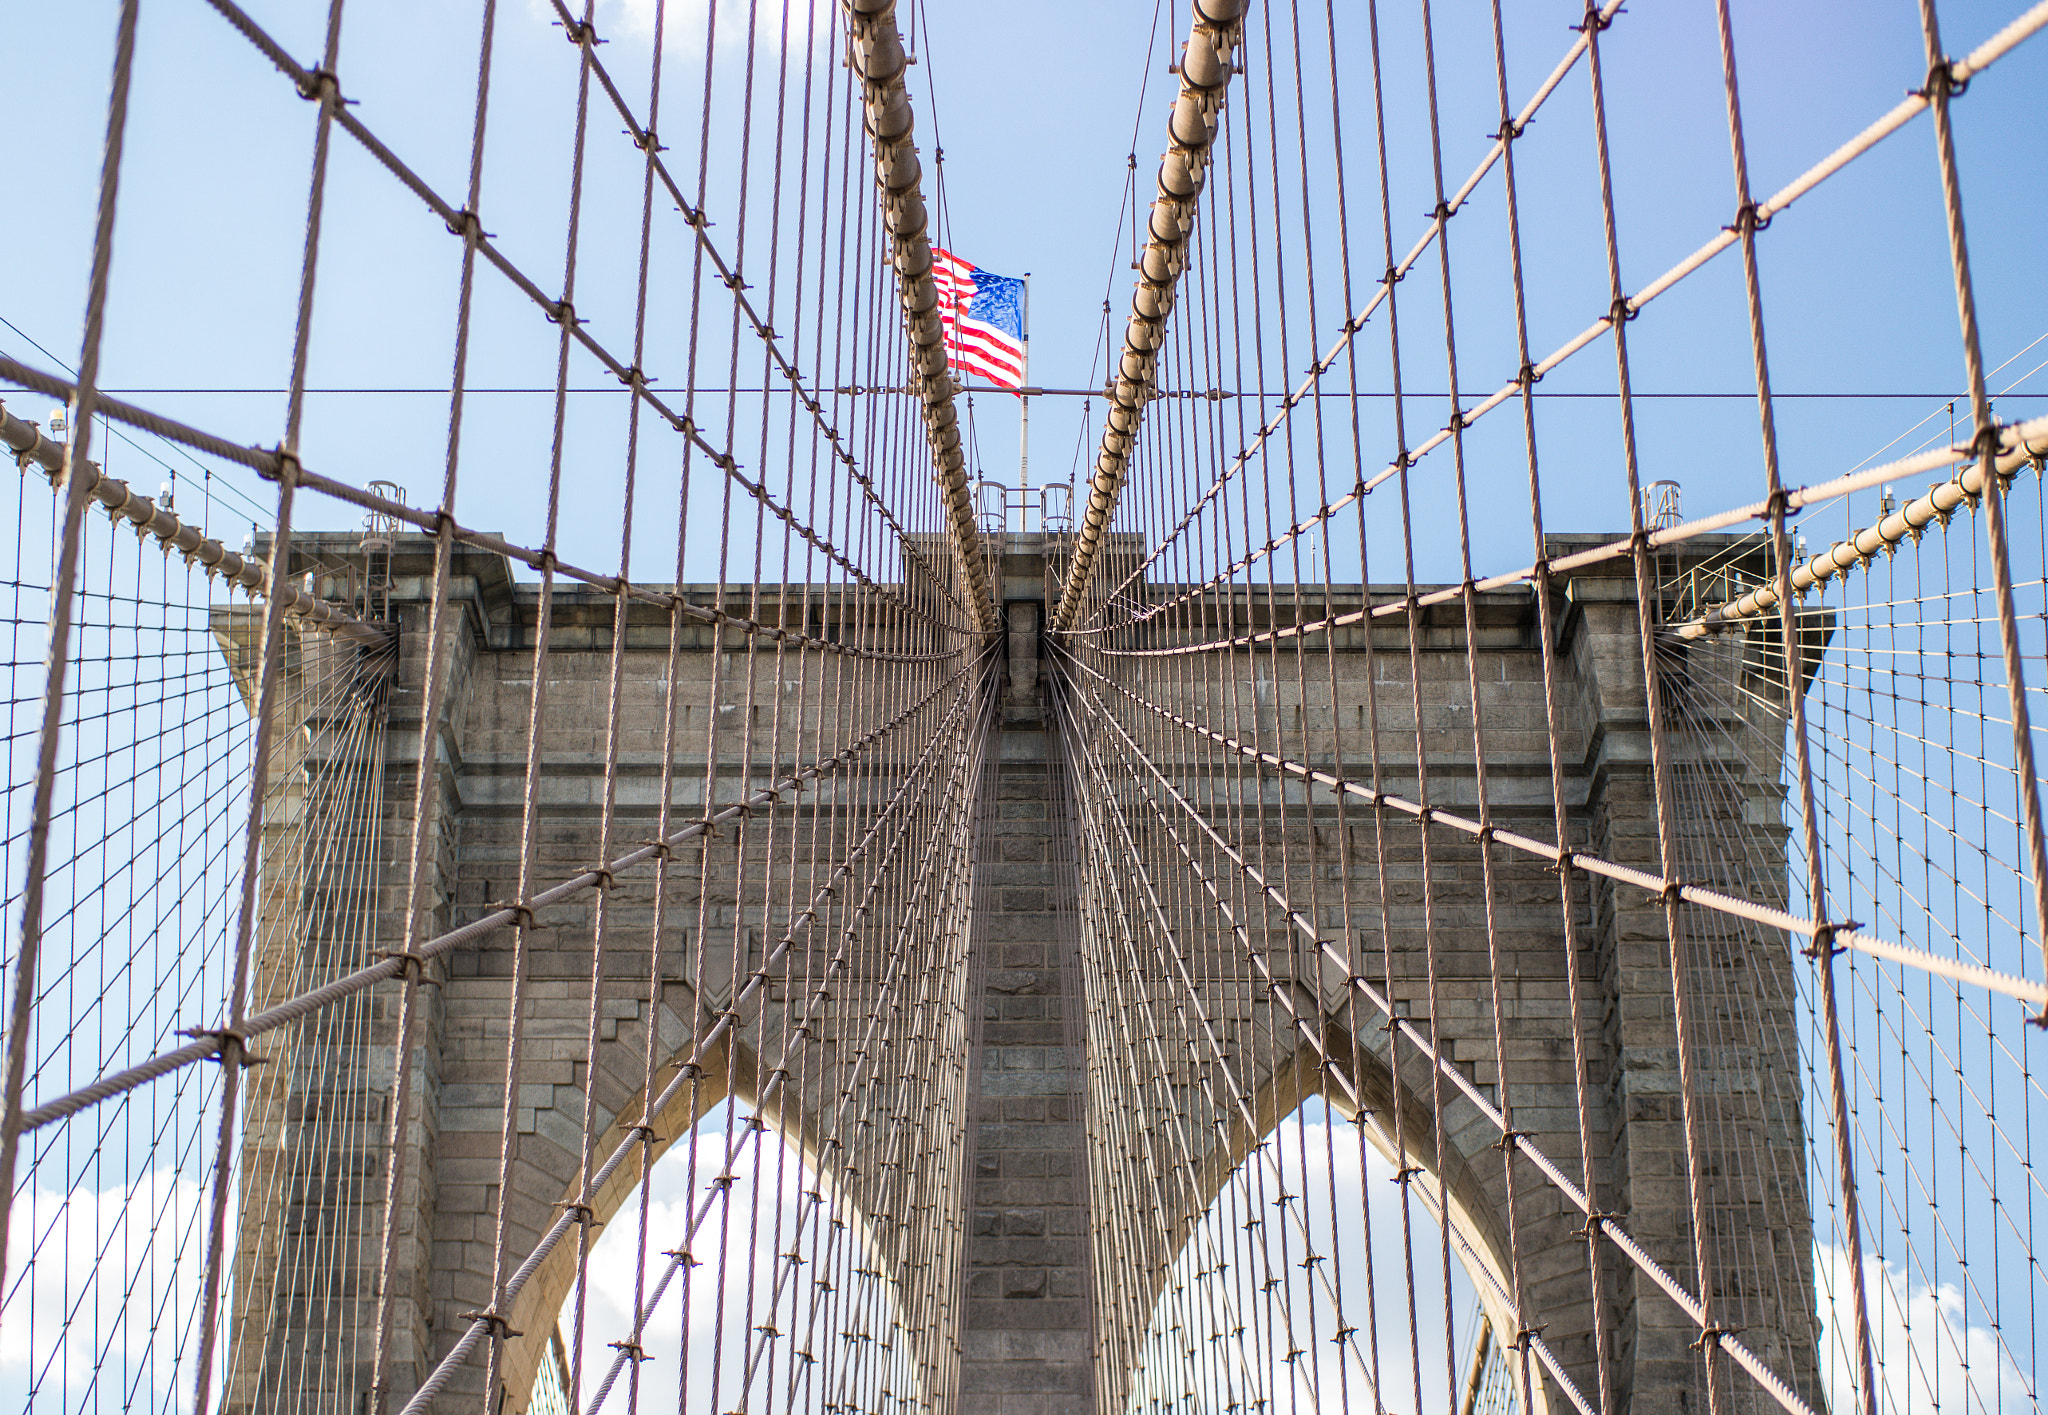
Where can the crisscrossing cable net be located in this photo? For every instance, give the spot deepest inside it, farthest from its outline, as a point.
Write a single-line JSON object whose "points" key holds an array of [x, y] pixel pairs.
{"points": [[567, 860]]}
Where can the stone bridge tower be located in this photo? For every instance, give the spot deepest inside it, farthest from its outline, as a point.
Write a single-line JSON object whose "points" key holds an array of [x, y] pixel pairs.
{"points": [[1031, 1330]]}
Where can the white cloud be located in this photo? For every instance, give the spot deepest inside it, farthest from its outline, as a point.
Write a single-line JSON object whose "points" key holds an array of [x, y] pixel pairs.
{"points": [[104, 1296], [730, 1297], [1928, 1354], [1320, 1163], [684, 22]]}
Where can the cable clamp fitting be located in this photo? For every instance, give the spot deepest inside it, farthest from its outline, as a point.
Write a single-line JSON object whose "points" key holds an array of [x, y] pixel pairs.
{"points": [[1524, 1335], [499, 1327], [522, 916], [410, 964], [1984, 447], [230, 1041], [579, 1212], [1713, 1334], [1621, 311], [631, 1348], [1510, 1139], [1591, 1227], [1823, 945], [1941, 81], [284, 469], [467, 224], [319, 85], [1749, 219], [1594, 23]]}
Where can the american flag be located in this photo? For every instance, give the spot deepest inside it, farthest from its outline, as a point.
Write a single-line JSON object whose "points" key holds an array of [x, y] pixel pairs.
{"points": [[983, 316]]}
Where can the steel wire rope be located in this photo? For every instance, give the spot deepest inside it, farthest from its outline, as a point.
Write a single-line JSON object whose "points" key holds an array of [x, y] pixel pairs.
{"points": [[1606, 1224], [689, 1070], [1939, 1050], [460, 223], [1688, 892], [1188, 1170], [1270, 894], [66, 569], [1993, 49], [1291, 398], [646, 138], [733, 1142]]}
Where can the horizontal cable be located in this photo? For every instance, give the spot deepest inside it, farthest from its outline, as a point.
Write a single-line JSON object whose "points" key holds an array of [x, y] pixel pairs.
{"points": [[1283, 997]]}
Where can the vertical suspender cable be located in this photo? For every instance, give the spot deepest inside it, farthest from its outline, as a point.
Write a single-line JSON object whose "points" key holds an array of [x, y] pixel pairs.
{"points": [[1205, 69], [876, 51]]}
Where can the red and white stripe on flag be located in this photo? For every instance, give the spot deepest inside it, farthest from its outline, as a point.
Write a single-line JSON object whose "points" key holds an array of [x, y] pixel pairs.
{"points": [[974, 345]]}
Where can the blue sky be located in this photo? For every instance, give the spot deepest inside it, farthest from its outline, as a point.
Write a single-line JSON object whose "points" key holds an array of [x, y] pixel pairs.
{"points": [[1035, 110]]}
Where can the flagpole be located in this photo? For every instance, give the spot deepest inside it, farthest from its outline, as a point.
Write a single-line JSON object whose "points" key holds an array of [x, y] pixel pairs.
{"points": [[1024, 403]]}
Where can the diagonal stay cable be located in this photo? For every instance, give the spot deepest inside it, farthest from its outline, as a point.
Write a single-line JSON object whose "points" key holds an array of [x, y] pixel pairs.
{"points": [[801, 1032], [1191, 1165], [1190, 1001], [648, 141], [728, 1022], [965, 764], [1843, 935], [1980, 59], [307, 1003], [1329, 1065], [1521, 1143], [468, 223], [267, 463]]}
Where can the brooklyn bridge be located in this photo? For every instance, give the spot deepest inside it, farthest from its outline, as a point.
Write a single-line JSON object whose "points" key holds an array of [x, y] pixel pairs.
{"points": [[1464, 838]]}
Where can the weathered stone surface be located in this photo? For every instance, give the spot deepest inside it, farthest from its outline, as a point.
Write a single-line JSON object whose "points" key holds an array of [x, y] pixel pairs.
{"points": [[1027, 1335]]}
